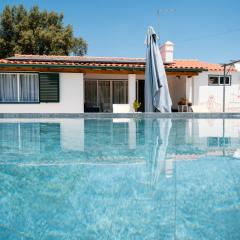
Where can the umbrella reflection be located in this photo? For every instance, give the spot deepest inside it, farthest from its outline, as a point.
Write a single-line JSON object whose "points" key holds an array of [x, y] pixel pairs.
{"points": [[160, 130]]}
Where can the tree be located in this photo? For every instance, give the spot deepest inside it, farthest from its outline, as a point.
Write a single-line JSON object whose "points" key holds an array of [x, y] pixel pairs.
{"points": [[33, 31]]}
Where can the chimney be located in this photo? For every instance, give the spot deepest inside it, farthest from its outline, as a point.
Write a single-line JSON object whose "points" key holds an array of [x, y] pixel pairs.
{"points": [[237, 66], [166, 51]]}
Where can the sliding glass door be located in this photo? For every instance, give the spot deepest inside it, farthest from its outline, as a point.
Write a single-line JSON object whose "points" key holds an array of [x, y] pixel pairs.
{"points": [[100, 95], [120, 92], [91, 102], [104, 96]]}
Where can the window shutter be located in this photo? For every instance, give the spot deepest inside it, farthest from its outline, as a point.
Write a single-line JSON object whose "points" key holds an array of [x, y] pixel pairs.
{"points": [[49, 87]]}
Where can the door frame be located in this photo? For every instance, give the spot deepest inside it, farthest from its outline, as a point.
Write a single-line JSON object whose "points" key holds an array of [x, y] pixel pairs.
{"points": [[111, 89]]}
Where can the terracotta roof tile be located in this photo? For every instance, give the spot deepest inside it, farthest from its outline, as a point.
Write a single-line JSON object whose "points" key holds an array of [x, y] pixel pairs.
{"points": [[195, 64], [105, 62]]}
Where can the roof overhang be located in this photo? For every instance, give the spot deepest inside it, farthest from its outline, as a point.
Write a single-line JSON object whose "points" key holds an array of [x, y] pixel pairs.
{"points": [[92, 69]]}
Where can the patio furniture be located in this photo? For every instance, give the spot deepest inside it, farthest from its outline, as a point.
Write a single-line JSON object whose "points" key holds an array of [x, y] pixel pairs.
{"points": [[199, 109], [183, 108], [121, 108]]}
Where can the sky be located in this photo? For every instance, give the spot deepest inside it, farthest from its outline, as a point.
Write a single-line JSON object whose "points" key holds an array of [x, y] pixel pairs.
{"points": [[207, 30]]}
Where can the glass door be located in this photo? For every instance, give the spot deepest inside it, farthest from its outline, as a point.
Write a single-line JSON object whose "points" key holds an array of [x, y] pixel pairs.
{"points": [[91, 102], [104, 96], [100, 95], [120, 92]]}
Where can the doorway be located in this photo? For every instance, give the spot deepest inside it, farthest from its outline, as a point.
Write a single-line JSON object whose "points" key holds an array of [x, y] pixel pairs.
{"points": [[140, 94]]}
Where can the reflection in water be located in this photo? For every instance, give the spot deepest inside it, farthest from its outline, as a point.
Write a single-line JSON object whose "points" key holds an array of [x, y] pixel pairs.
{"points": [[157, 143], [158, 131], [104, 179]]}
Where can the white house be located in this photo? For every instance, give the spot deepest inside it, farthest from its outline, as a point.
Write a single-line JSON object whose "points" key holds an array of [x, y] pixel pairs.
{"points": [[67, 84]]}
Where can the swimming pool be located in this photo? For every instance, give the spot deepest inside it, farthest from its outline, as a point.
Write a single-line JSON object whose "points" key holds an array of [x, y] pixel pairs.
{"points": [[120, 178]]}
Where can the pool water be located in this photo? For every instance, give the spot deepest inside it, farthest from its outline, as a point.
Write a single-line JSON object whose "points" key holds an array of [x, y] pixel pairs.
{"points": [[120, 179]]}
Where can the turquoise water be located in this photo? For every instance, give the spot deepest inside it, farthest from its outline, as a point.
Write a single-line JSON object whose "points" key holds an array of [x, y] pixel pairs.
{"points": [[120, 179]]}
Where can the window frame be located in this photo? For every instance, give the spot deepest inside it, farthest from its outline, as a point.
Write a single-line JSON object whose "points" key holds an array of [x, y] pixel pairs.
{"points": [[219, 77], [126, 97], [18, 88]]}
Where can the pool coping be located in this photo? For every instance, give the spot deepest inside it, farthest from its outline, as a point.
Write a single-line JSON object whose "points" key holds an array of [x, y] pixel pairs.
{"points": [[121, 115]]}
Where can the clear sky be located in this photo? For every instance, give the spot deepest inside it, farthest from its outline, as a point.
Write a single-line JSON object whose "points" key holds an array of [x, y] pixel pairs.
{"points": [[200, 29]]}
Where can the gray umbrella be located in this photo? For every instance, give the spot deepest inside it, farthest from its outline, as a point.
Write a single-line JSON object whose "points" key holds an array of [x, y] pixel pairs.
{"points": [[157, 97]]}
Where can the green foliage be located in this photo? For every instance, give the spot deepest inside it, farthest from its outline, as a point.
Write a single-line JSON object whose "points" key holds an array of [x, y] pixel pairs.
{"points": [[136, 105], [79, 47], [33, 31]]}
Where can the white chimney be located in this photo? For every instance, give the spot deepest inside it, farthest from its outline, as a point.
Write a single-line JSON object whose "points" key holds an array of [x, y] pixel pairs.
{"points": [[237, 66], [166, 51]]}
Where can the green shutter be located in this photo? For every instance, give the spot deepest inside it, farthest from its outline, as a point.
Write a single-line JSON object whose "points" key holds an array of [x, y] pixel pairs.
{"points": [[49, 87]]}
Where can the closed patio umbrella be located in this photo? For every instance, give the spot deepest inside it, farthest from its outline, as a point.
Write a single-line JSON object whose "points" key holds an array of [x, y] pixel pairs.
{"points": [[157, 97]]}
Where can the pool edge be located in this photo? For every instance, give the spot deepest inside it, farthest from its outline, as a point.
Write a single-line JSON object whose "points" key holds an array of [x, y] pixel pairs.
{"points": [[120, 115]]}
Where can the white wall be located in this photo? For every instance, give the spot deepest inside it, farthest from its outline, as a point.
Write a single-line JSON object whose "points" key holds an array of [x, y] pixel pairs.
{"points": [[189, 89], [177, 89], [212, 96], [71, 98], [131, 90], [197, 90]]}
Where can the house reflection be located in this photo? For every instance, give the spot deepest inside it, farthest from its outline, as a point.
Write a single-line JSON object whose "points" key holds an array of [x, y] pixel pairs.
{"points": [[79, 139], [154, 143], [28, 138]]}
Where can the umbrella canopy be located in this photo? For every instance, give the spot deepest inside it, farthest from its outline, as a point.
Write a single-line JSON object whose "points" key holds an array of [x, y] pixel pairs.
{"points": [[157, 97]]}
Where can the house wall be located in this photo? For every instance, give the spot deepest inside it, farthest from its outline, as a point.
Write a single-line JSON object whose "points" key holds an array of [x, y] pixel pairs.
{"points": [[212, 96], [71, 94], [177, 89], [71, 98], [196, 89]]}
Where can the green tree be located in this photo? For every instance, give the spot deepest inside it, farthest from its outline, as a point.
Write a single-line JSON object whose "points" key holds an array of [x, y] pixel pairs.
{"points": [[33, 31]]}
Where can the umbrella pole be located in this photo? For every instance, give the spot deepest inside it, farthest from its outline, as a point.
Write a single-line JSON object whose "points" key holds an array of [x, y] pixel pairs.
{"points": [[224, 86]]}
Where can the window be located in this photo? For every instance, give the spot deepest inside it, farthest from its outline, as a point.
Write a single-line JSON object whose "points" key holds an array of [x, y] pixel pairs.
{"points": [[101, 94], [8, 88], [218, 141], [120, 92], [90, 93], [217, 80], [213, 80], [227, 80], [29, 88], [19, 87]]}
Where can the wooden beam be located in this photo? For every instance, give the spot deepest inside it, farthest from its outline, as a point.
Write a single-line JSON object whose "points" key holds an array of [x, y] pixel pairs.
{"points": [[86, 70], [190, 74], [69, 70]]}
